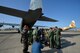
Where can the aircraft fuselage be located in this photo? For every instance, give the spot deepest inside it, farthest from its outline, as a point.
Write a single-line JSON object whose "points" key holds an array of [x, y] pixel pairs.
{"points": [[32, 17]]}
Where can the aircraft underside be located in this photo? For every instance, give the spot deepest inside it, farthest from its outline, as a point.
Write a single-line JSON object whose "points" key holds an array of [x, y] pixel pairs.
{"points": [[28, 17]]}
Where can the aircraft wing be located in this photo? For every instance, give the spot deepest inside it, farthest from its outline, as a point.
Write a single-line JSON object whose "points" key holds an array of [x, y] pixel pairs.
{"points": [[72, 25], [13, 12], [43, 18], [39, 26], [11, 24]]}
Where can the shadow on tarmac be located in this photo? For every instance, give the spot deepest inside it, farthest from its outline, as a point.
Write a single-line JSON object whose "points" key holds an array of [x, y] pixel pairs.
{"points": [[52, 51], [70, 35], [64, 43], [8, 32]]}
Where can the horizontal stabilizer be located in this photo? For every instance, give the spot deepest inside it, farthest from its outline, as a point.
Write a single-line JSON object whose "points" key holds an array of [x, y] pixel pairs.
{"points": [[11, 11], [43, 18]]}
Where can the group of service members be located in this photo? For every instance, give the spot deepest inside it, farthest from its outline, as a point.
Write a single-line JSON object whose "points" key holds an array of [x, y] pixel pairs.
{"points": [[47, 37]]}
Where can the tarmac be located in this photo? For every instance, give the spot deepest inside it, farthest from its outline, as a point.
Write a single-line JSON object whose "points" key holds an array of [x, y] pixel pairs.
{"points": [[10, 43]]}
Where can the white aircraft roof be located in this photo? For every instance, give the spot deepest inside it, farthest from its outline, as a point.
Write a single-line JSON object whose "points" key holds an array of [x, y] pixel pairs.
{"points": [[35, 4]]}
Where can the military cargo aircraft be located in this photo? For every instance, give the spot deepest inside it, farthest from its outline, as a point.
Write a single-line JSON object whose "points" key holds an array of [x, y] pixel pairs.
{"points": [[28, 17]]}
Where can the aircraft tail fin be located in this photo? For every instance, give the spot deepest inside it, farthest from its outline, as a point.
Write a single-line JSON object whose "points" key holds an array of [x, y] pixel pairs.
{"points": [[44, 18], [35, 4], [72, 24]]}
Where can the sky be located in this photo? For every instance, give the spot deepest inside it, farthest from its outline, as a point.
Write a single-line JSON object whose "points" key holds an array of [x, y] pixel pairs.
{"points": [[62, 10]]}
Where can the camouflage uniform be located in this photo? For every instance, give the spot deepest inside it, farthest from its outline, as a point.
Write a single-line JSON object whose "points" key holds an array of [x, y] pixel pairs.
{"points": [[35, 34], [30, 36], [24, 40]]}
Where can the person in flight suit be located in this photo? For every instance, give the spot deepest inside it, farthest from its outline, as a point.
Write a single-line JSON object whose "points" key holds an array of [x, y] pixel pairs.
{"points": [[24, 38], [51, 36], [57, 37]]}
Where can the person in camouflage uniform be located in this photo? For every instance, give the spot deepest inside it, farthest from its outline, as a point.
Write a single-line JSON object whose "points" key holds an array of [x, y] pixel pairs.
{"points": [[30, 38], [24, 38], [35, 33]]}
